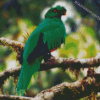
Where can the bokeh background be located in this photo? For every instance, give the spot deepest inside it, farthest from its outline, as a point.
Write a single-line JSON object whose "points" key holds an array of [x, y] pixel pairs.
{"points": [[17, 17]]}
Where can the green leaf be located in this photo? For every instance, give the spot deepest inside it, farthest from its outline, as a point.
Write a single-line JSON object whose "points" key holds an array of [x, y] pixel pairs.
{"points": [[90, 32], [29, 22], [91, 50]]}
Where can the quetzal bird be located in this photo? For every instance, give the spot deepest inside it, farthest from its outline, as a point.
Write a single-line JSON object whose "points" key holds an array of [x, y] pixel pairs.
{"points": [[49, 34]]}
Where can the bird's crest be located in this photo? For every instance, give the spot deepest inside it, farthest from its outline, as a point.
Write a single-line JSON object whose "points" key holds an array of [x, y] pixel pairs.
{"points": [[26, 37]]}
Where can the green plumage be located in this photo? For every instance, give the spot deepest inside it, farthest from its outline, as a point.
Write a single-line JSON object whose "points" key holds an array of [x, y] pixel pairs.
{"points": [[53, 34], [26, 73]]}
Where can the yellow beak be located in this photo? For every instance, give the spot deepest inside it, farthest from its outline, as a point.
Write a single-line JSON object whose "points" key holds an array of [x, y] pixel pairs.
{"points": [[64, 13]]}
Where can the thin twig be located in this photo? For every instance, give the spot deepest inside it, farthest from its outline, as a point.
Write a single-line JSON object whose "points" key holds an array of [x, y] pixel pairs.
{"points": [[12, 97]]}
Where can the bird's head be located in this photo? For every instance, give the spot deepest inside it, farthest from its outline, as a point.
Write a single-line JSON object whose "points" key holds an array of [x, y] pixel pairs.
{"points": [[57, 11]]}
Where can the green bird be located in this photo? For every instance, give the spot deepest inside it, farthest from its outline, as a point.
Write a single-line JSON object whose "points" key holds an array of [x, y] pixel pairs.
{"points": [[49, 35]]}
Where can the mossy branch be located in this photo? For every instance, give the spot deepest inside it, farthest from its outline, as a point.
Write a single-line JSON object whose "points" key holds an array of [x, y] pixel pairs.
{"points": [[88, 86]]}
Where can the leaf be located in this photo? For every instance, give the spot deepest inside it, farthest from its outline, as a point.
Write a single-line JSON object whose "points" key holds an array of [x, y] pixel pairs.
{"points": [[91, 50]]}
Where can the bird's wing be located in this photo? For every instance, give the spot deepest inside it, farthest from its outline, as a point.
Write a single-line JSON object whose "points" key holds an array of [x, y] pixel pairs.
{"points": [[54, 34], [33, 39], [48, 35]]}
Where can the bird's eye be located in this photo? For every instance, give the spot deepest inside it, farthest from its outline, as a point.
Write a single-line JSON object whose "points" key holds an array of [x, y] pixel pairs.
{"points": [[54, 11]]}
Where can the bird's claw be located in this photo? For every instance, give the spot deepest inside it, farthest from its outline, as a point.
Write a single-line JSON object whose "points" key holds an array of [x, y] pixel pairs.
{"points": [[47, 57]]}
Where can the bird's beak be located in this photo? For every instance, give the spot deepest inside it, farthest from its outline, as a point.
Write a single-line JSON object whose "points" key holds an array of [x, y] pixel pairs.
{"points": [[65, 13]]}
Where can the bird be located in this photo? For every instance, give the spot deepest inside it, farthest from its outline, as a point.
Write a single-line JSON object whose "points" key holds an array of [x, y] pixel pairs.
{"points": [[48, 36]]}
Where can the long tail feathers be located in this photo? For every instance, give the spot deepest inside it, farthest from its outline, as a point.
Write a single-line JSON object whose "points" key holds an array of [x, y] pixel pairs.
{"points": [[25, 75]]}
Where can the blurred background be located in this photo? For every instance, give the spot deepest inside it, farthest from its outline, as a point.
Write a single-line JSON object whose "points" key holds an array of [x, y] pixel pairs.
{"points": [[82, 22]]}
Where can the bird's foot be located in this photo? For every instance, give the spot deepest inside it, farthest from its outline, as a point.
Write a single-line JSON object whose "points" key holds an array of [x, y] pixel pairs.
{"points": [[47, 56]]}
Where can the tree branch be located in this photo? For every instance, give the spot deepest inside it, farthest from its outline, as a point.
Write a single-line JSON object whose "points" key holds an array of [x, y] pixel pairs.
{"points": [[63, 63], [11, 43], [7, 73], [12, 97], [72, 91], [66, 91]]}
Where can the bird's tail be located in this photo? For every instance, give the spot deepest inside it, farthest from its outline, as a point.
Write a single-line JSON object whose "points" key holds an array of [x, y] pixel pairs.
{"points": [[26, 73]]}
